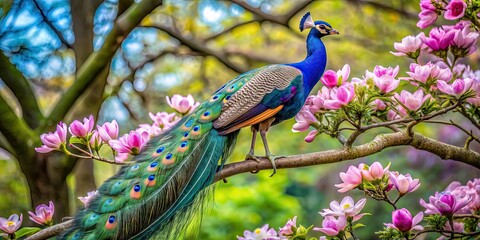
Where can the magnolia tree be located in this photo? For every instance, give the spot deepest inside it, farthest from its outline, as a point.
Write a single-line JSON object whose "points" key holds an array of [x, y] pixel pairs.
{"points": [[344, 109]]}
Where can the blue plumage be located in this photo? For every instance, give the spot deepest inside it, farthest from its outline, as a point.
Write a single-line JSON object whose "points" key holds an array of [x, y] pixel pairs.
{"points": [[157, 195]]}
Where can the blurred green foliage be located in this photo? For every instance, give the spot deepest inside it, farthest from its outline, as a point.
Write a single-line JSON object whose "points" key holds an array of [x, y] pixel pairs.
{"points": [[249, 201]]}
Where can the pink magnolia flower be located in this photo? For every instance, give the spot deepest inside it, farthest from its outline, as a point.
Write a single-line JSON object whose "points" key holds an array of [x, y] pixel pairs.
{"points": [[386, 83], [164, 120], [351, 179], [181, 104], [469, 192], [260, 234], [465, 39], [428, 14], [330, 79], [108, 131], [43, 214], [457, 88], [380, 71], [473, 191], [288, 228], [332, 226], [86, 200], [376, 171], [12, 224], [148, 131], [347, 207], [404, 183], [444, 204], [403, 221], [81, 130], [340, 96], [455, 9], [95, 140], [121, 157], [412, 101], [304, 118], [130, 143], [311, 136], [392, 115], [439, 39], [410, 45], [423, 73], [316, 102], [334, 79], [378, 105], [53, 141]]}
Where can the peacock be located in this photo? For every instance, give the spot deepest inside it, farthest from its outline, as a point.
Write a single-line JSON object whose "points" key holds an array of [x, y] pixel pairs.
{"points": [[156, 195]]}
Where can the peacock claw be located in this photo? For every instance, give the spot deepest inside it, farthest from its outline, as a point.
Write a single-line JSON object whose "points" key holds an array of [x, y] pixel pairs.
{"points": [[250, 156], [272, 159]]}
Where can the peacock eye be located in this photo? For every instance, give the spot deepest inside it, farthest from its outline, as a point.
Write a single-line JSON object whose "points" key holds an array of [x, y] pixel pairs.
{"points": [[322, 26]]}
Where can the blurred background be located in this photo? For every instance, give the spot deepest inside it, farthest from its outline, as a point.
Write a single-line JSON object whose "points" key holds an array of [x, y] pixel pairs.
{"points": [[192, 47]]}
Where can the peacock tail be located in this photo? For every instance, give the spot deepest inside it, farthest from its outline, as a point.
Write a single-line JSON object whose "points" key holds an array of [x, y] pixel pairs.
{"points": [[145, 199]]}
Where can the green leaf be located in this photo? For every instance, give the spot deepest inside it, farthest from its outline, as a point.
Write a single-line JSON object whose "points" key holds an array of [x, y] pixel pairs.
{"points": [[75, 140], [26, 231], [358, 225]]}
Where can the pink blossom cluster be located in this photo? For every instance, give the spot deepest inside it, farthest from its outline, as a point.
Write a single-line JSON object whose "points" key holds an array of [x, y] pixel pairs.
{"points": [[430, 9], [338, 214], [459, 38], [340, 217], [456, 198], [264, 232], [85, 133], [356, 177], [43, 215]]}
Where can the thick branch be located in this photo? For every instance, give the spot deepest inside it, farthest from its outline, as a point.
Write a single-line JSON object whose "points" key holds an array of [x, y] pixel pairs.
{"points": [[380, 142], [15, 129], [22, 91], [98, 60]]}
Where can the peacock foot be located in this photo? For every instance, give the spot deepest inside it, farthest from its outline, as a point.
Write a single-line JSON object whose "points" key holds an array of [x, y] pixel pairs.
{"points": [[251, 156], [272, 159]]}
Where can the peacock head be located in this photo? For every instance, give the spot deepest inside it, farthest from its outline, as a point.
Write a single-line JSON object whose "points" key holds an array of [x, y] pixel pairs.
{"points": [[318, 28]]}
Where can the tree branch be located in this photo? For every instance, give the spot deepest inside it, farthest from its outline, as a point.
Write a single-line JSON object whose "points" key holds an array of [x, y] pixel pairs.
{"points": [[281, 20], [98, 60], [380, 142], [15, 129], [195, 46], [22, 90], [50, 24], [51, 231], [227, 30]]}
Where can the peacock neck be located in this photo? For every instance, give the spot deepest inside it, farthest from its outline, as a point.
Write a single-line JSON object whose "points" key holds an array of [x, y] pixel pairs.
{"points": [[314, 64]]}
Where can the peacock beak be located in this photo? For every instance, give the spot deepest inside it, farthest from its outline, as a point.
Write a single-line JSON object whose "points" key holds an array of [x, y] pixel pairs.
{"points": [[333, 32]]}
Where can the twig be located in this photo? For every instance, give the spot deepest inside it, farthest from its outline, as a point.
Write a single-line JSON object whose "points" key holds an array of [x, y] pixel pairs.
{"points": [[407, 120], [463, 111], [451, 123], [50, 24], [91, 156], [51, 231]]}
